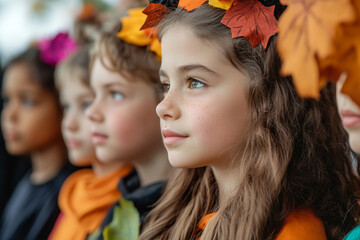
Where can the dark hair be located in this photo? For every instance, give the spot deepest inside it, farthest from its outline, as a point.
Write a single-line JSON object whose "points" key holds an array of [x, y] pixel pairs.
{"points": [[125, 58], [296, 155], [41, 72]]}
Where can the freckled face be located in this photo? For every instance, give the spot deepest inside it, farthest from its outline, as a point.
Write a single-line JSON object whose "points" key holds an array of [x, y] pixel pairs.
{"points": [[350, 115], [30, 119], [123, 120], [75, 98], [205, 110]]}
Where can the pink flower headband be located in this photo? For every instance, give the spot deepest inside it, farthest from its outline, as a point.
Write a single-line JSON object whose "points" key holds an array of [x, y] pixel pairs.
{"points": [[54, 50]]}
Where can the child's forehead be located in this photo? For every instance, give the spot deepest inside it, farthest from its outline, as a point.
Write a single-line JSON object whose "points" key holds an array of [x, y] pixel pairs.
{"points": [[103, 75], [73, 82], [18, 77]]}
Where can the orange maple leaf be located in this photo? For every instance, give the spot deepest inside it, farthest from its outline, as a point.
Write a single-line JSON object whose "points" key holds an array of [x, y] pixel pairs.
{"points": [[88, 11], [252, 20], [155, 12], [191, 4], [351, 86], [347, 54], [306, 33]]}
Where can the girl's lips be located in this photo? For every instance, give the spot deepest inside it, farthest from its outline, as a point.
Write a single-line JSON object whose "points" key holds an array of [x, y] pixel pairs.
{"points": [[349, 118], [98, 138], [11, 136], [171, 137]]}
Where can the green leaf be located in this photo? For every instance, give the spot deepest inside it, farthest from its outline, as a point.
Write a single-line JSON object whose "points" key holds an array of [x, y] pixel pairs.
{"points": [[125, 224]]}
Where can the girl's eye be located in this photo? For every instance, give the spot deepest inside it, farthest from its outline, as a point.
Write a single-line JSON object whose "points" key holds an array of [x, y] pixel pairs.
{"points": [[165, 87], [117, 95], [28, 102], [193, 83]]}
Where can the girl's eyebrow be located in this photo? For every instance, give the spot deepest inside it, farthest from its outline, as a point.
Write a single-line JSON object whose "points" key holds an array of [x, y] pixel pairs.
{"points": [[189, 67]]}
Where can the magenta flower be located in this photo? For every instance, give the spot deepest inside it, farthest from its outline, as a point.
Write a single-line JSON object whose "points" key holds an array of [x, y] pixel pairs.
{"points": [[54, 50]]}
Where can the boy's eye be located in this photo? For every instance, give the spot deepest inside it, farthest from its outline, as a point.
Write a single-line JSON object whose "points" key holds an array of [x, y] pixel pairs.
{"points": [[85, 105], [193, 83], [5, 100], [117, 95], [66, 107]]}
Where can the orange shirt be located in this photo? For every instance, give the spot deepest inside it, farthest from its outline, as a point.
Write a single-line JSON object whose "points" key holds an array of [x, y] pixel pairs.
{"points": [[299, 225], [302, 224], [84, 200]]}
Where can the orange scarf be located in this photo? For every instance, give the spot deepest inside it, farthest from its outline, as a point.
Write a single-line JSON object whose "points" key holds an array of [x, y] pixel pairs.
{"points": [[84, 200]]}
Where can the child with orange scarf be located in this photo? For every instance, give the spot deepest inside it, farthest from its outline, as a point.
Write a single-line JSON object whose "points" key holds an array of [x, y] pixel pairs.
{"points": [[87, 194], [126, 82]]}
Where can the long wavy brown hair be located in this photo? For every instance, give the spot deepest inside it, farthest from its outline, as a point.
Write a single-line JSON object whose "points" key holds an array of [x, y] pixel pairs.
{"points": [[296, 155]]}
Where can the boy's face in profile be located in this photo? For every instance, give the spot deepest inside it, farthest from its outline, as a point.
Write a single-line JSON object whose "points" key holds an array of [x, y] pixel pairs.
{"points": [[75, 98], [124, 124]]}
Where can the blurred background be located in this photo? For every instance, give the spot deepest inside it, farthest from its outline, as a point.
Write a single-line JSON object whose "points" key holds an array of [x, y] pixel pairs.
{"points": [[24, 22]]}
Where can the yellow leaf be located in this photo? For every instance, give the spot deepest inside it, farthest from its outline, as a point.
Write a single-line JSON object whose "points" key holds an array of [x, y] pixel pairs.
{"points": [[223, 4], [131, 33]]}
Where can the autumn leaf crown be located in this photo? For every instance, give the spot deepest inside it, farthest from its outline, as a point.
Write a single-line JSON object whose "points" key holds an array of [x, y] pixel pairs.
{"points": [[255, 20], [131, 33]]}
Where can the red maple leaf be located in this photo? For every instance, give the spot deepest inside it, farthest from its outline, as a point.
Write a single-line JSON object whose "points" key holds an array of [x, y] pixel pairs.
{"points": [[252, 20], [155, 12]]}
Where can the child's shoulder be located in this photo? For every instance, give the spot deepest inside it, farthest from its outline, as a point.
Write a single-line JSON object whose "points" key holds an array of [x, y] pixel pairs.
{"points": [[302, 224]]}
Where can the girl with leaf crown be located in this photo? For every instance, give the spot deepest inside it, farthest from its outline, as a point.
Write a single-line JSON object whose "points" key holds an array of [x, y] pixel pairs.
{"points": [[257, 161], [336, 57]]}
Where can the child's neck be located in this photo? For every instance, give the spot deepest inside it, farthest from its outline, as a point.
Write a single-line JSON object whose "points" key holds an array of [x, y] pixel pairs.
{"points": [[47, 162], [227, 179], [153, 167], [102, 169]]}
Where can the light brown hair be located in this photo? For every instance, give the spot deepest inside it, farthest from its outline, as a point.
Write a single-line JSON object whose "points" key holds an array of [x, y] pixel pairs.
{"points": [[75, 66], [296, 155], [127, 59]]}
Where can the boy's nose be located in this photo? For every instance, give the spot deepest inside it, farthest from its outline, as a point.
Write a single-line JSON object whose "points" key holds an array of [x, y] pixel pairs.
{"points": [[93, 112], [70, 122]]}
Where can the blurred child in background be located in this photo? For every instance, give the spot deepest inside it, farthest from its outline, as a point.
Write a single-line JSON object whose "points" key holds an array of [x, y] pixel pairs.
{"points": [[31, 124], [87, 194]]}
